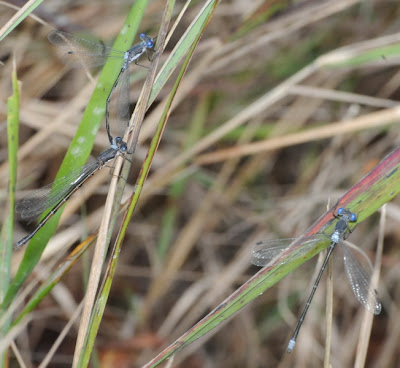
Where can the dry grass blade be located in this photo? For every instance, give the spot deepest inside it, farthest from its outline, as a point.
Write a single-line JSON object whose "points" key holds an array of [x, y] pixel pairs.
{"points": [[22, 13], [372, 120], [103, 238], [366, 327], [94, 311]]}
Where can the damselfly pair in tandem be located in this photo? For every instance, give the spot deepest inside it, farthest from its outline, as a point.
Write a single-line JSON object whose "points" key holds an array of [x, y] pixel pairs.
{"points": [[81, 53]]}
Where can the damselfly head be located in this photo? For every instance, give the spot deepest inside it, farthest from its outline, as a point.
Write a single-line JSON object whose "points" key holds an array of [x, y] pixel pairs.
{"points": [[344, 211], [149, 42]]}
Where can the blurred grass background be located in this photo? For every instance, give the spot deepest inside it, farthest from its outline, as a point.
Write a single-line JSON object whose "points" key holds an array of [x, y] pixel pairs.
{"points": [[199, 215]]}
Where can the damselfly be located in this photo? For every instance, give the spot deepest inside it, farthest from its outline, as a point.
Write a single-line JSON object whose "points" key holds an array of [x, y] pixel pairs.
{"points": [[54, 195], [81, 53], [265, 251]]}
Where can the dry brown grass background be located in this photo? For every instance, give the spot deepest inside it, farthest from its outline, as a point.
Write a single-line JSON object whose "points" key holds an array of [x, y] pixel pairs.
{"points": [[213, 192]]}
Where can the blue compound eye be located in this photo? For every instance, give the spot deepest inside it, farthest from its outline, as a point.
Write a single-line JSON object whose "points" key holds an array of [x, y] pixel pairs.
{"points": [[123, 148], [353, 217], [142, 35], [340, 211], [150, 44], [118, 140]]}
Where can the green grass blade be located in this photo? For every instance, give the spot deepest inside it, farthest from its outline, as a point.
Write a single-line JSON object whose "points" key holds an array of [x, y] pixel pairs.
{"points": [[170, 218], [381, 51], [380, 186], [8, 225], [177, 54]]}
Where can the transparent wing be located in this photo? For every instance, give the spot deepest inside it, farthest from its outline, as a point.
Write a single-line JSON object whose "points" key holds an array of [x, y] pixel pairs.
{"points": [[118, 105], [38, 201], [81, 53], [264, 251], [118, 109], [123, 103], [359, 281]]}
